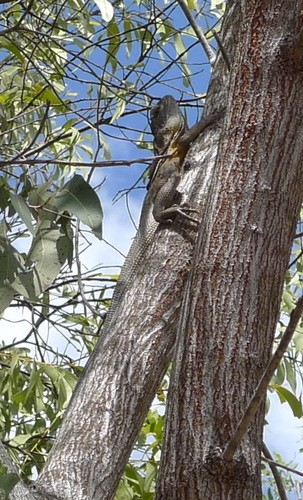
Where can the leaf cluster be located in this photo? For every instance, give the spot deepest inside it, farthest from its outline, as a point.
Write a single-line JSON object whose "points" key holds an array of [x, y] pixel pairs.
{"points": [[76, 79]]}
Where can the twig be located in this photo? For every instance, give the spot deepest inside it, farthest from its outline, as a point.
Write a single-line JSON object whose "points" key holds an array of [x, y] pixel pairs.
{"points": [[263, 384], [103, 163], [18, 23], [20, 490], [38, 132], [208, 50], [79, 272], [222, 48], [277, 464], [273, 467], [295, 259]]}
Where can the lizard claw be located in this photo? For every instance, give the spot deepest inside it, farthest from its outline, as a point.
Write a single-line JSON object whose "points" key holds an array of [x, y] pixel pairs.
{"points": [[184, 210]]}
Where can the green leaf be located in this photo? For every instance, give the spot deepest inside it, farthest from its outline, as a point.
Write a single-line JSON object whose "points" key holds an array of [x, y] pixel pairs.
{"points": [[280, 374], [8, 482], [285, 395], [179, 46], [106, 9], [114, 44], [10, 265], [288, 300], [4, 194], [5, 43], [120, 107], [269, 493], [22, 209], [46, 254], [290, 374], [298, 341], [20, 439], [124, 492], [79, 198], [46, 94], [151, 472], [128, 29], [218, 5]]}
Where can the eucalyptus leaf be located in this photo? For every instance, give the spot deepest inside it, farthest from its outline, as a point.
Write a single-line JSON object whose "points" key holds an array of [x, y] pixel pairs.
{"points": [[22, 209], [79, 198], [47, 254], [285, 395], [8, 482], [106, 9], [10, 265]]}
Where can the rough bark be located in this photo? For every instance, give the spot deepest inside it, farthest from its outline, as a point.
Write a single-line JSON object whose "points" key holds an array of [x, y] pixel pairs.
{"points": [[21, 491], [231, 307], [113, 397]]}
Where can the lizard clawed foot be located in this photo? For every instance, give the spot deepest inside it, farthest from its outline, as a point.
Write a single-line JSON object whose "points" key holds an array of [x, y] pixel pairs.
{"points": [[185, 215], [186, 208], [183, 210]]}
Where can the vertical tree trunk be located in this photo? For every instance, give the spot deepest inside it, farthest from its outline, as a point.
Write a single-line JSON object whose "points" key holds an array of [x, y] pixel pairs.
{"points": [[225, 336], [128, 363]]}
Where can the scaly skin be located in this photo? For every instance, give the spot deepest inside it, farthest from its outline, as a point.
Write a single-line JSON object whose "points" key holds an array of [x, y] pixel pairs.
{"points": [[171, 137]]}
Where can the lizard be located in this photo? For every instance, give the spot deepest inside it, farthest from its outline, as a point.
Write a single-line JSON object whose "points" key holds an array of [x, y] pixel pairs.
{"points": [[172, 138]]}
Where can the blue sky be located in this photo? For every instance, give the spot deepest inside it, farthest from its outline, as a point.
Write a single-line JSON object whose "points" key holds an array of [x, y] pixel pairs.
{"points": [[284, 433]]}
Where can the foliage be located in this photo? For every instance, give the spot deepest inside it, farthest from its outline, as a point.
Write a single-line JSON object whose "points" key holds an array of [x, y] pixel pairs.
{"points": [[77, 79], [269, 485], [8, 480]]}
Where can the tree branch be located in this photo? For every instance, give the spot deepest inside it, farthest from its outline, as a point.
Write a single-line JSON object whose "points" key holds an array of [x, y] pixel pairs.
{"points": [[20, 491], [277, 464], [222, 48], [103, 163], [207, 48], [255, 401], [275, 472]]}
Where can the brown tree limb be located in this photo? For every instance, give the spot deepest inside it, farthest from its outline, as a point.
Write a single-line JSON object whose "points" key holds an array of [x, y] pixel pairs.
{"points": [[201, 37], [222, 48], [269, 460], [20, 491], [275, 472], [260, 392], [95, 164]]}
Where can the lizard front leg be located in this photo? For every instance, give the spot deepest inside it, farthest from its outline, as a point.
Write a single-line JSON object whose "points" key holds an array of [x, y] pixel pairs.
{"points": [[164, 208]]}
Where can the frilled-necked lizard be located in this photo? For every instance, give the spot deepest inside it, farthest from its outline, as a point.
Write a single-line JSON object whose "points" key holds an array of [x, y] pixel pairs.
{"points": [[172, 138]]}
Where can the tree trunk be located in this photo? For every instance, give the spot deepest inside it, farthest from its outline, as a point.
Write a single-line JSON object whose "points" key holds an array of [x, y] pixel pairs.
{"points": [[125, 370], [249, 216], [231, 306]]}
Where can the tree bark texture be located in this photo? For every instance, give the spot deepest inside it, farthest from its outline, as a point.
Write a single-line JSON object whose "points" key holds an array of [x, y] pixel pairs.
{"points": [[20, 491], [120, 382], [231, 306]]}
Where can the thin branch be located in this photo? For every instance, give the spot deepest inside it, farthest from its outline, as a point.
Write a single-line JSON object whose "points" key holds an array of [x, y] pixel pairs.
{"points": [[273, 467], [222, 48], [295, 259], [79, 273], [277, 464], [19, 22], [38, 132], [260, 391], [103, 163], [208, 50], [20, 490], [81, 130]]}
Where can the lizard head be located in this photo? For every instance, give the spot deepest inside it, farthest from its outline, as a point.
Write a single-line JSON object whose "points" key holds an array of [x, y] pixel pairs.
{"points": [[167, 123]]}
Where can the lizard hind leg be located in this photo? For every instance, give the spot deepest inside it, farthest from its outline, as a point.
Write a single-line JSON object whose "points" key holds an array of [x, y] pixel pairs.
{"points": [[168, 214]]}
